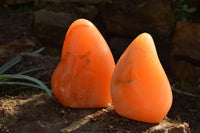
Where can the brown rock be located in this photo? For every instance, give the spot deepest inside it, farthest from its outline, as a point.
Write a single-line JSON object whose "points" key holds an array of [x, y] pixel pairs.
{"points": [[50, 27], [86, 1], [15, 2], [78, 2], [132, 18], [88, 11], [154, 16], [186, 40], [47, 3], [184, 70], [19, 46], [75, 8], [194, 3], [54, 1], [185, 63]]}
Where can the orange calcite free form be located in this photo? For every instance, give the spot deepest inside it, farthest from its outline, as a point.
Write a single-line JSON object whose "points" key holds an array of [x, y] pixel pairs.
{"points": [[83, 75], [140, 89]]}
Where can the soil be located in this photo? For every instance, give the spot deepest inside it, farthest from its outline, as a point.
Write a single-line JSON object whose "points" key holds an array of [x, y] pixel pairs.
{"points": [[25, 110], [44, 114], [29, 112]]}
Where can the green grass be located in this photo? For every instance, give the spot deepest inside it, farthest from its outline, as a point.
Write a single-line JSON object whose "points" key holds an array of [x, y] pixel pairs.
{"points": [[9, 79], [181, 10]]}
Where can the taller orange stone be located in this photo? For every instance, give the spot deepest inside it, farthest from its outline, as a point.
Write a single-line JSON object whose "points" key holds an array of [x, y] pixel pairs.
{"points": [[83, 75], [140, 89]]}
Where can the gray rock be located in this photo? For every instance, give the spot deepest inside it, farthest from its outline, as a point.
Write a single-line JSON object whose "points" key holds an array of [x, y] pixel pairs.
{"points": [[50, 27]]}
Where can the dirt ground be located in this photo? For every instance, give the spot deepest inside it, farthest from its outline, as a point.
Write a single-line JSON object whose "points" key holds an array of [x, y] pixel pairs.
{"points": [[41, 113], [31, 111], [44, 114]]}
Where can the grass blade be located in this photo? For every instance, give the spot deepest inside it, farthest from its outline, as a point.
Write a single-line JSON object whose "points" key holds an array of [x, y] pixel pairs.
{"points": [[30, 71], [183, 92], [35, 70], [19, 76], [26, 84], [9, 64], [16, 60], [35, 52]]}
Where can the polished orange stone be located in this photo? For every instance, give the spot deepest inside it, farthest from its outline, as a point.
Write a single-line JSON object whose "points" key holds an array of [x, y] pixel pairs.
{"points": [[83, 75], [140, 89]]}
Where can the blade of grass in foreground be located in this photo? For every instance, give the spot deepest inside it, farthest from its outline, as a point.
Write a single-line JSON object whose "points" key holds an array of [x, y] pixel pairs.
{"points": [[9, 64], [35, 70], [39, 85], [26, 84], [16, 60], [31, 71]]}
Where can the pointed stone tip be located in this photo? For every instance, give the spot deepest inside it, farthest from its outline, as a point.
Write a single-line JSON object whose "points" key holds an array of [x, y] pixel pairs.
{"points": [[79, 22], [146, 35], [82, 21], [145, 41]]}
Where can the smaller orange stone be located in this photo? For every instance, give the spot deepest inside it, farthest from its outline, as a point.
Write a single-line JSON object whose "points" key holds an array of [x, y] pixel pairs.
{"points": [[140, 89]]}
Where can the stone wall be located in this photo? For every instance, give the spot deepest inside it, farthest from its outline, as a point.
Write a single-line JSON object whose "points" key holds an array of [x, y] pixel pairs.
{"points": [[120, 21]]}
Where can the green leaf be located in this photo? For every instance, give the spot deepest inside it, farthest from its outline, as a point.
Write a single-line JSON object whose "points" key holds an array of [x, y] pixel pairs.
{"points": [[184, 18], [19, 76], [35, 52], [191, 10], [181, 1], [26, 84], [178, 2], [9, 64], [30, 71], [16, 60], [35, 70], [184, 92], [185, 7], [178, 10]]}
